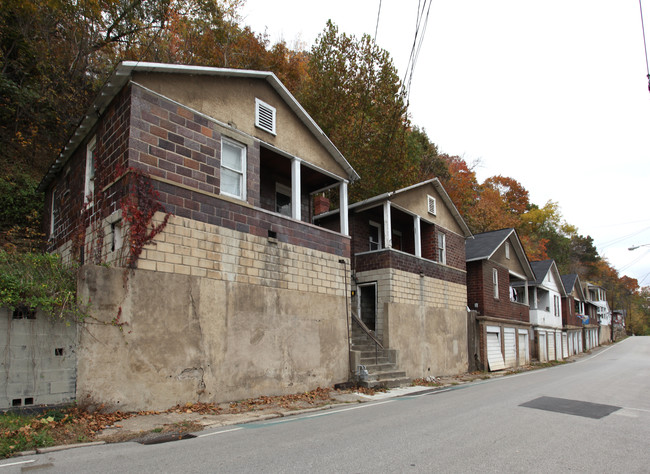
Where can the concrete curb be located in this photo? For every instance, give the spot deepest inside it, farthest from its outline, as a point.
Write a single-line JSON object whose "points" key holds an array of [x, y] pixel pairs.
{"points": [[63, 447]]}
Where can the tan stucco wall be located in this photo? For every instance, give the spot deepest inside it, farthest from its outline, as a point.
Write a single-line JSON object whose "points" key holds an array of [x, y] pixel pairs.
{"points": [[431, 341], [513, 263], [193, 338], [424, 318], [232, 101], [415, 200]]}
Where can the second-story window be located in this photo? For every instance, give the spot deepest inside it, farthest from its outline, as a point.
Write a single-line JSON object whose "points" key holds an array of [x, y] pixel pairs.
{"points": [[495, 282], [508, 250], [233, 169], [556, 305], [89, 187], [442, 248], [375, 236]]}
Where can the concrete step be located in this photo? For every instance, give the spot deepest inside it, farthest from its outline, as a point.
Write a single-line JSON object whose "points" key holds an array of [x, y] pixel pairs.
{"points": [[387, 383]]}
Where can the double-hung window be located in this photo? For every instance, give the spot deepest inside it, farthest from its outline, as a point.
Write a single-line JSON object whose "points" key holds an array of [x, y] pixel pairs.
{"points": [[442, 248], [375, 236], [495, 282], [89, 188], [233, 169]]}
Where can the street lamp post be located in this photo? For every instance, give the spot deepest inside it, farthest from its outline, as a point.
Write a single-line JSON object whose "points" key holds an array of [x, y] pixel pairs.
{"points": [[634, 247]]}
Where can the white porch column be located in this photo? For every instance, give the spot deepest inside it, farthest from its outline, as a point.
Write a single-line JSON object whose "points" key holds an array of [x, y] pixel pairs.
{"points": [[388, 235], [526, 294], [343, 207], [418, 237], [295, 188]]}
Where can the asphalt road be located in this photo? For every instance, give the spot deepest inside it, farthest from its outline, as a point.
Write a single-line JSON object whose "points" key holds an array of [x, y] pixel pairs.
{"points": [[589, 416]]}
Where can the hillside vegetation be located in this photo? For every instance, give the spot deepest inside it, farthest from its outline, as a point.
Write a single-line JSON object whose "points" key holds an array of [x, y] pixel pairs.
{"points": [[55, 55]]}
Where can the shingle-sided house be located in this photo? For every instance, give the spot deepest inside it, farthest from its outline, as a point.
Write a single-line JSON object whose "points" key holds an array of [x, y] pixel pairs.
{"points": [[546, 293], [409, 279], [240, 294], [497, 275], [573, 312]]}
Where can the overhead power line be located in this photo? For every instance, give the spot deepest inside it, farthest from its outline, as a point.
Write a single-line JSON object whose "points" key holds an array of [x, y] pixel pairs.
{"points": [[645, 47]]}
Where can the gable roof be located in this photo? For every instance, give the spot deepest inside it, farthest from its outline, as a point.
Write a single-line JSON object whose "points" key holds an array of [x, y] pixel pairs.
{"points": [[572, 281], [121, 76], [484, 245], [380, 198], [542, 268]]}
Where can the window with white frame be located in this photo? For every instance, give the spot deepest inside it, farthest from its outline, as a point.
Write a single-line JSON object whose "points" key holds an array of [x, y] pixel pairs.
{"points": [[556, 305], [508, 250], [264, 116], [54, 212], [495, 282], [442, 248], [375, 235], [233, 169], [89, 188]]}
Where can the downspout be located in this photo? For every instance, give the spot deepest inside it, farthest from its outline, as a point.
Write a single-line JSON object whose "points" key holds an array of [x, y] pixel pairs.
{"points": [[347, 314]]}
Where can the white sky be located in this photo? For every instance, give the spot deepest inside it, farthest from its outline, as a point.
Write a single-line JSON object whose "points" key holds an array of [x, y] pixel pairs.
{"points": [[553, 94]]}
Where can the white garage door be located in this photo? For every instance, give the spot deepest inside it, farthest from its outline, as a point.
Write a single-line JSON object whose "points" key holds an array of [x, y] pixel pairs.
{"points": [[543, 355], [495, 358], [565, 346], [551, 346], [523, 348], [558, 345], [510, 347]]}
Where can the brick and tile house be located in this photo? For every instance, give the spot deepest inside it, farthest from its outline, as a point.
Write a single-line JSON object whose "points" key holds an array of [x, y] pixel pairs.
{"points": [[573, 312], [408, 264], [239, 294], [546, 294], [497, 275]]}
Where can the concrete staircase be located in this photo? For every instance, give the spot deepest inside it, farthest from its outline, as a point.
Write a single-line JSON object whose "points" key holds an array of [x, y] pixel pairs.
{"points": [[380, 363]]}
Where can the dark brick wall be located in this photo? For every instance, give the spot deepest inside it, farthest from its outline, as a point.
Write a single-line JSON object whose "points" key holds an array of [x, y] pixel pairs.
{"points": [[389, 258], [111, 156], [569, 317], [480, 291], [168, 141], [213, 210]]}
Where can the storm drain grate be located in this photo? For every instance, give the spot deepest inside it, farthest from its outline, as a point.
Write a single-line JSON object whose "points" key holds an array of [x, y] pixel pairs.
{"points": [[571, 407]]}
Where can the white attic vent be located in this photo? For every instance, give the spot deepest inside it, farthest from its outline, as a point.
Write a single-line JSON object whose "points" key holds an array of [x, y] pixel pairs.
{"points": [[431, 205], [264, 116]]}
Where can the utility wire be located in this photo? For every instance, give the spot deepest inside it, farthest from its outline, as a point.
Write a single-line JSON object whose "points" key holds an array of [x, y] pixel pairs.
{"points": [[645, 47], [377, 25]]}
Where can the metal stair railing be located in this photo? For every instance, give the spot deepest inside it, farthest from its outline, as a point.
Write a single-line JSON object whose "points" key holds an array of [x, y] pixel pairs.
{"points": [[370, 334]]}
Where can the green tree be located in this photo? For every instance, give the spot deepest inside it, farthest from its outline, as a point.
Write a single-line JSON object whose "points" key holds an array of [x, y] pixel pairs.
{"points": [[354, 93]]}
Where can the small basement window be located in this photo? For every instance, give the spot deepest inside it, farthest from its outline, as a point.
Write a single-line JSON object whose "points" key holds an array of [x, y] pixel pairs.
{"points": [[264, 116], [24, 312], [58, 351], [29, 401]]}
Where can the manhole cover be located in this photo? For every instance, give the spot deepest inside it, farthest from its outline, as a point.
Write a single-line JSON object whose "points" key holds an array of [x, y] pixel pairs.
{"points": [[571, 407]]}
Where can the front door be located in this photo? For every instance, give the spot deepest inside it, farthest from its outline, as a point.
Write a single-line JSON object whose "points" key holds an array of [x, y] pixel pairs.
{"points": [[368, 304]]}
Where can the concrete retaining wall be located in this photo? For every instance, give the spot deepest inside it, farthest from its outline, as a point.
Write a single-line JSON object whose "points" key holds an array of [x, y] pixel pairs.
{"points": [[192, 338]]}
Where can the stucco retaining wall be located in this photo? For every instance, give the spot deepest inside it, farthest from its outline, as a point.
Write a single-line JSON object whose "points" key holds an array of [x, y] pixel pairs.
{"points": [[430, 340], [192, 338]]}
